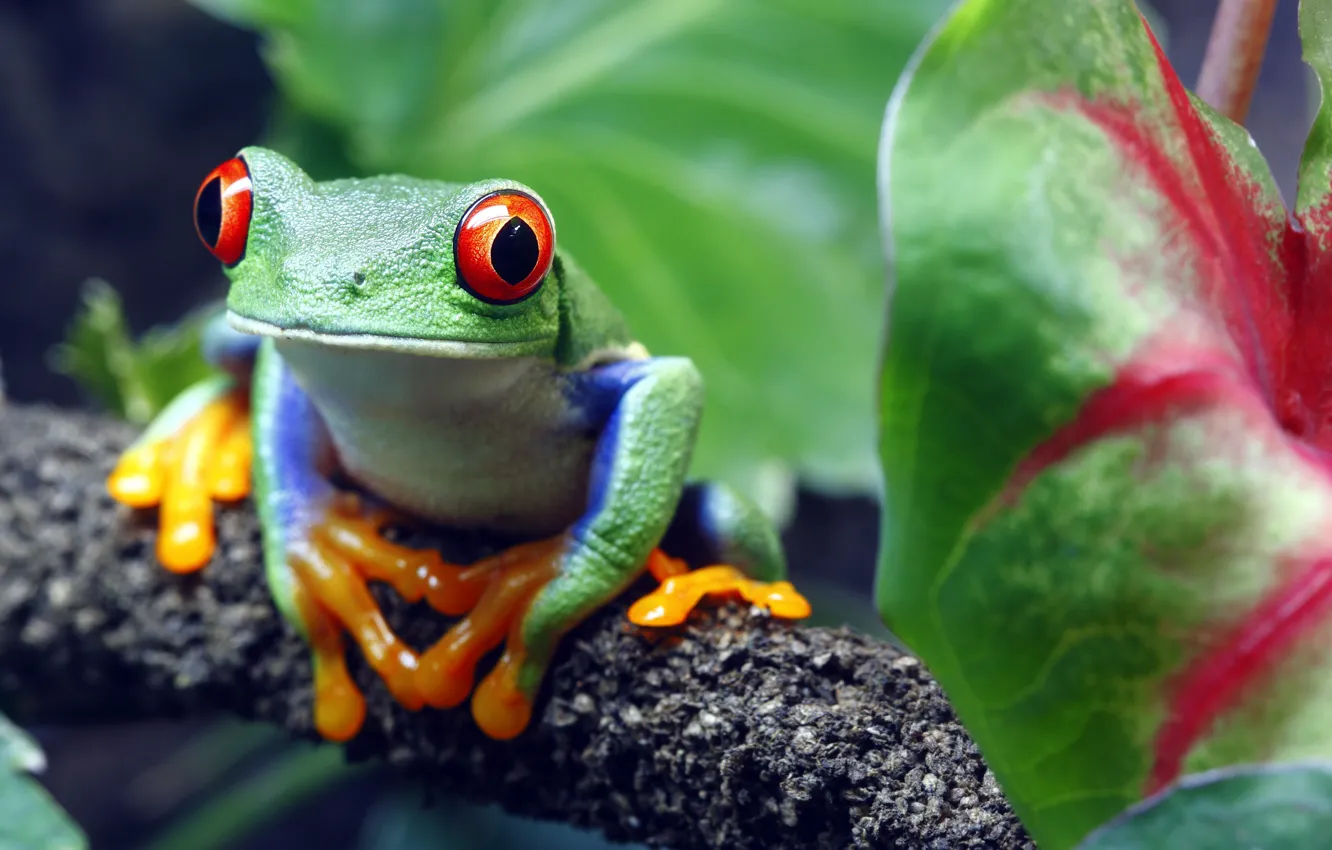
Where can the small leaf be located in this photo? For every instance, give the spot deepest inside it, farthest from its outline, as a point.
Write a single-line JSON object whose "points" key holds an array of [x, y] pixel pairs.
{"points": [[29, 818], [258, 12], [1271, 807], [97, 346], [710, 162], [132, 380], [169, 359]]}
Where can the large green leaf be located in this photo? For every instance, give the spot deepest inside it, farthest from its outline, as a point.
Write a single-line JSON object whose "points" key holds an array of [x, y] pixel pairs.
{"points": [[710, 162], [1280, 807], [1105, 400], [29, 818]]}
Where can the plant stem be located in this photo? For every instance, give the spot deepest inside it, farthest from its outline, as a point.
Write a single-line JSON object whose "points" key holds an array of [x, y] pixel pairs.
{"points": [[1235, 56]]}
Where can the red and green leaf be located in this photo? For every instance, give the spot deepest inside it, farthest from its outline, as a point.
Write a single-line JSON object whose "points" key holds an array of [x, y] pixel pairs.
{"points": [[1106, 404]]}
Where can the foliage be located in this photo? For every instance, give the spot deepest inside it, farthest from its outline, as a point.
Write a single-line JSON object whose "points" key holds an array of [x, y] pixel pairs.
{"points": [[1285, 806], [132, 379], [293, 775], [1105, 405], [398, 821], [710, 162], [29, 818]]}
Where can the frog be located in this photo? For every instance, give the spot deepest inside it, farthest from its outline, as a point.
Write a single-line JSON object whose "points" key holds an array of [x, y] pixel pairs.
{"points": [[398, 349]]}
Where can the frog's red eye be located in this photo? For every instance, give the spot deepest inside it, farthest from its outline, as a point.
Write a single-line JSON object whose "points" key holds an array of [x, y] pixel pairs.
{"points": [[503, 247], [222, 210]]}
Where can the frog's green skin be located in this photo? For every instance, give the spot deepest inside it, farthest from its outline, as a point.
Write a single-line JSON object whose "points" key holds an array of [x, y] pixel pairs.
{"points": [[346, 315]]}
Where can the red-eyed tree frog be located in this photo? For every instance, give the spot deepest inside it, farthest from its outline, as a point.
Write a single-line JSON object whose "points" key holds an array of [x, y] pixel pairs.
{"points": [[430, 343]]}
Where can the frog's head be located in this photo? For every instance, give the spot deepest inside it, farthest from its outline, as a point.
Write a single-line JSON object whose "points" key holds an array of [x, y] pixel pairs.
{"points": [[462, 270]]}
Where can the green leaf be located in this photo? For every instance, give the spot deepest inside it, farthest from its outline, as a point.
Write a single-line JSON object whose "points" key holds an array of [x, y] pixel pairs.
{"points": [[294, 776], [398, 821], [1107, 522], [133, 380], [258, 12], [1282, 807], [1316, 164], [29, 818], [710, 162]]}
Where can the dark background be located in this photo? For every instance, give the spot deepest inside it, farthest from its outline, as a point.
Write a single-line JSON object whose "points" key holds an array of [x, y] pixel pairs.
{"points": [[111, 111]]}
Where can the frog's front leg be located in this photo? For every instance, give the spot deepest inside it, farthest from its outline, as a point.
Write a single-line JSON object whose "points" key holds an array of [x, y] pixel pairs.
{"points": [[648, 412], [195, 451]]}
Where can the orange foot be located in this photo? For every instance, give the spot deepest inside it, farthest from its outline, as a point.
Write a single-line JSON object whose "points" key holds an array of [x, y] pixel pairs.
{"points": [[681, 590], [341, 554], [208, 457], [499, 590], [494, 593]]}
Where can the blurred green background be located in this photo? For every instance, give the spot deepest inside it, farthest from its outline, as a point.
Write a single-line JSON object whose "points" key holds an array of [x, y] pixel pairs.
{"points": [[710, 162]]}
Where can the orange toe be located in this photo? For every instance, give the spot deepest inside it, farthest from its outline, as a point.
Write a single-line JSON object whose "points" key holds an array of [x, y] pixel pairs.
{"points": [[137, 479], [414, 573], [187, 540], [448, 669], [780, 598], [207, 457], [679, 594], [499, 707], [229, 473], [663, 566], [336, 585], [339, 708]]}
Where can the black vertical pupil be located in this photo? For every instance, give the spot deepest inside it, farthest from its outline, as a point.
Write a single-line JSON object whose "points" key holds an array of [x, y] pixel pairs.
{"points": [[514, 251], [208, 211]]}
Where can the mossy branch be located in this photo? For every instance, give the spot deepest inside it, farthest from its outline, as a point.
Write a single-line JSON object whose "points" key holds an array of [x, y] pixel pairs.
{"points": [[735, 732]]}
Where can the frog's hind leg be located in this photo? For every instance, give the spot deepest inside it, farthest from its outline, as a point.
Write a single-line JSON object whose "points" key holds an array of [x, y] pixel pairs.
{"points": [[737, 550], [195, 451], [646, 415]]}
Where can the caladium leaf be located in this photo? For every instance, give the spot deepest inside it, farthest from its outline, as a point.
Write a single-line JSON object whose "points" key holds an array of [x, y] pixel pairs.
{"points": [[710, 162], [1106, 406], [1265, 807]]}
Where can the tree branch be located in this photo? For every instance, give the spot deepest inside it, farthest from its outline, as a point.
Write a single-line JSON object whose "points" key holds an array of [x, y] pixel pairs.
{"points": [[735, 732], [1234, 56]]}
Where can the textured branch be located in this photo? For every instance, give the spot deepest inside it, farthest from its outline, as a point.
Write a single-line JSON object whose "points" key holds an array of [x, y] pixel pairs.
{"points": [[735, 732], [1234, 56]]}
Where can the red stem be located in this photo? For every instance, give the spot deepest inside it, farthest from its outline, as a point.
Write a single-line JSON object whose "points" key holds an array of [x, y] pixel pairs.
{"points": [[1235, 56]]}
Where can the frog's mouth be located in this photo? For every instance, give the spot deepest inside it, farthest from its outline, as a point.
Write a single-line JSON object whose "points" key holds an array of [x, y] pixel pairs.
{"points": [[404, 345]]}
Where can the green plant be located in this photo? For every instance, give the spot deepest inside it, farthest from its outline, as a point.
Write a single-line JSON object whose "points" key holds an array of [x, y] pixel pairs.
{"points": [[1280, 806], [29, 818], [1104, 409], [131, 379]]}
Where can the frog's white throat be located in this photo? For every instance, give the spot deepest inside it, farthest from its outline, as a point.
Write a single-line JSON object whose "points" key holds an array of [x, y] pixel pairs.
{"points": [[469, 442]]}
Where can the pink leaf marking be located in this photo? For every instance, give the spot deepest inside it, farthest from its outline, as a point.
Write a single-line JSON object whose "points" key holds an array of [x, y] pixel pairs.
{"points": [[1216, 680]]}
